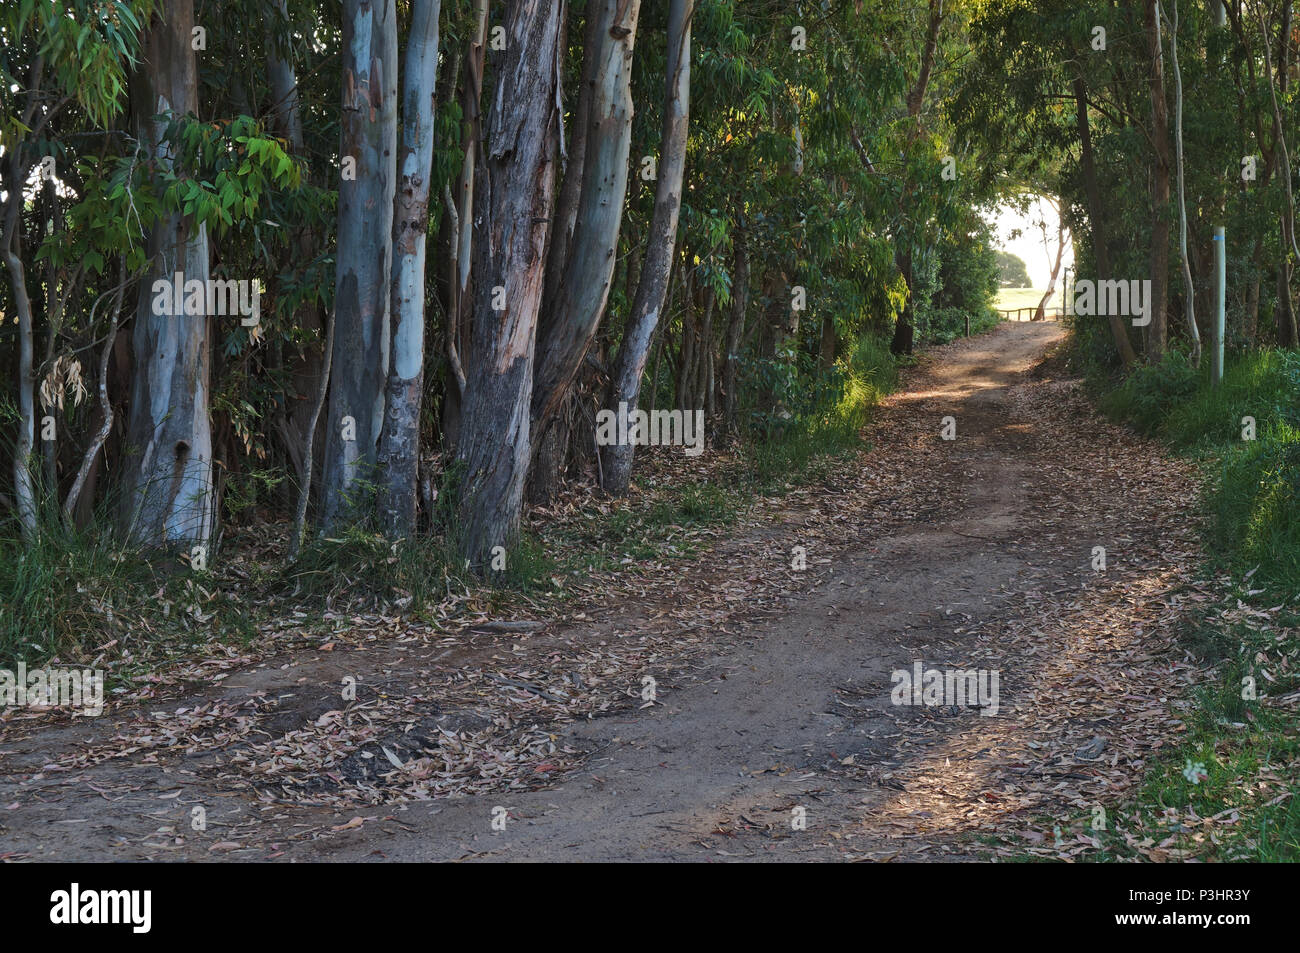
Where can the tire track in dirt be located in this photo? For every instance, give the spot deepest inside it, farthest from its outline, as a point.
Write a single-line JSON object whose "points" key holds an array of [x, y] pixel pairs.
{"points": [[982, 563]]}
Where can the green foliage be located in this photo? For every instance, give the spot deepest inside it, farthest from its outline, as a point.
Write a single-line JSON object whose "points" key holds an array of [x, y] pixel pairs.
{"points": [[89, 47], [829, 421], [1149, 395], [1012, 272], [222, 170], [1253, 495]]}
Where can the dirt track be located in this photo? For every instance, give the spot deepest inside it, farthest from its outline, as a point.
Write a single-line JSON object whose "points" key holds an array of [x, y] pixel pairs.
{"points": [[971, 553]]}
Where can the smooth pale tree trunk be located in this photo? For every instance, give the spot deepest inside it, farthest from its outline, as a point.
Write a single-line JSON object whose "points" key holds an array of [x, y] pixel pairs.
{"points": [[573, 154], [1156, 331], [1041, 313], [299, 535], [569, 322], [168, 471], [363, 264], [1189, 290], [661, 244], [399, 444], [17, 167], [515, 199], [24, 486], [1097, 216]]}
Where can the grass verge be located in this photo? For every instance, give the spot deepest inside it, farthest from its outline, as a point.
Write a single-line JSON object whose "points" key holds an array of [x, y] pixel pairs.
{"points": [[1228, 792]]}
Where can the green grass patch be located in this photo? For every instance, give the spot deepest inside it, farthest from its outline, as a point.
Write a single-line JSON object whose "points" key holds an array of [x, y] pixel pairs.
{"points": [[1247, 430], [81, 597]]}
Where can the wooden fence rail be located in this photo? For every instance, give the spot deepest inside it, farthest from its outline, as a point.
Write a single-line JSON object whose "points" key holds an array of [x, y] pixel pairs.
{"points": [[1014, 314]]}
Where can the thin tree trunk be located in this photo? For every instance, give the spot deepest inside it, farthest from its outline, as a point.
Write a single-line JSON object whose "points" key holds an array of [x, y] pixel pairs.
{"points": [[661, 245], [1250, 320], [1156, 331], [573, 154], [285, 112], [24, 486], [1041, 313], [1189, 289], [570, 322], [105, 405], [304, 491], [303, 363], [363, 269], [516, 196], [1288, 334], [699, 390], [16, 178], [686, 347], [399, 445]]}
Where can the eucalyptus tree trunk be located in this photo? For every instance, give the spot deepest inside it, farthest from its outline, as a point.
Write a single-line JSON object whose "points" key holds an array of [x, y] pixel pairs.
{"points": [[573, 154], [570, 320], [285, 110], [1157, 334], [1189, 290], [515, 198], [1041, 312], [363, 264], [1288, 331], [399, 445], [661, 245], [1097, 216], [16, 165], [168, 473], [24, 487]]}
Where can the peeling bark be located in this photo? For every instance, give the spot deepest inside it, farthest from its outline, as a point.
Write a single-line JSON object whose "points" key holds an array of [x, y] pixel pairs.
{"points": [[515, 197], [569, 322], [399, 446]]}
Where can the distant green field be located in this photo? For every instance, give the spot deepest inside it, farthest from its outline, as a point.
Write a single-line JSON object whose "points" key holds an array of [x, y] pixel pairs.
{"points": [[1026, 298]]}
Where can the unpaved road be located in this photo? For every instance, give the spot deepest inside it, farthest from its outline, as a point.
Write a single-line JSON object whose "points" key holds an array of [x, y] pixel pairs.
{"points": [[780, 742]]}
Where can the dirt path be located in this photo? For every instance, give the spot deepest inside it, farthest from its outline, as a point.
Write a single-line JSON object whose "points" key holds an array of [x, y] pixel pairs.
{"points": [[773, 699]]}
